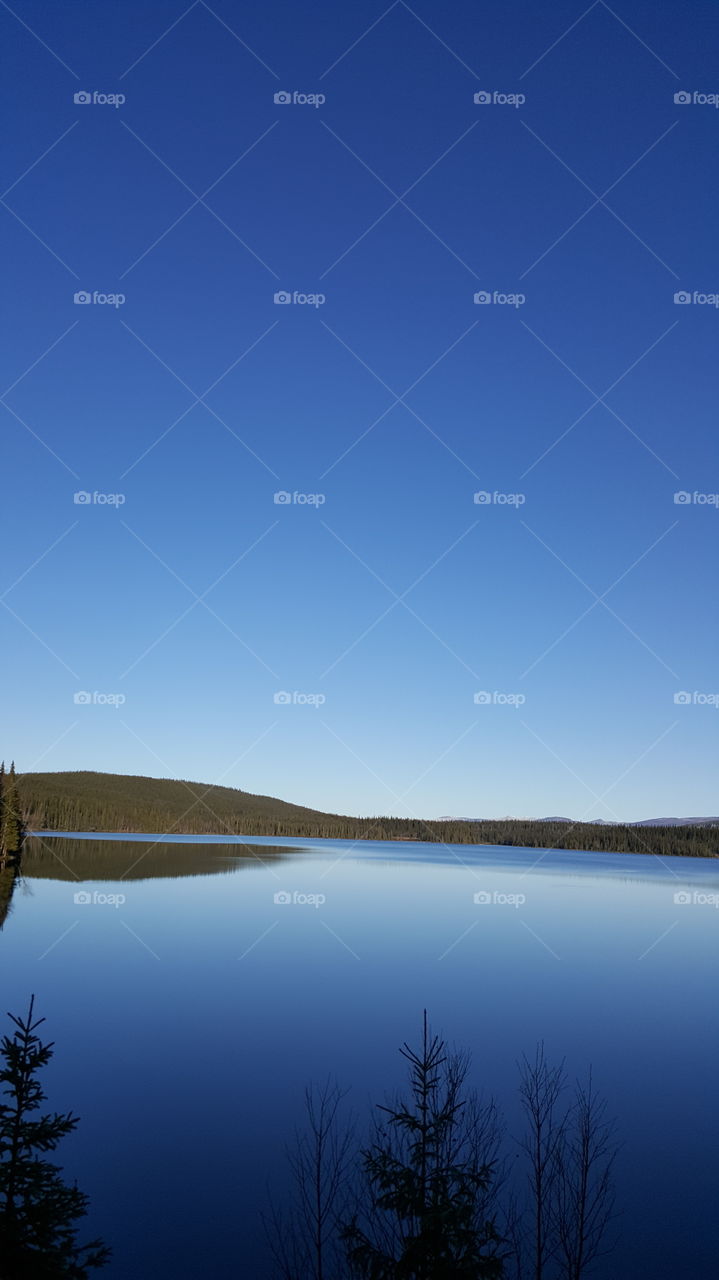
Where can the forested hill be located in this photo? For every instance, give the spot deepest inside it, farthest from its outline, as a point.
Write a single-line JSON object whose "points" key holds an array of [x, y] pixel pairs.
{"points": [[119, 802], [115, 802]]}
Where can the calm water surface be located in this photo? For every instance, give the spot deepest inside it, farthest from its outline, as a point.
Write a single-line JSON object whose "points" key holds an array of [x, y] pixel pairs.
{"points": [[189, 1016]]}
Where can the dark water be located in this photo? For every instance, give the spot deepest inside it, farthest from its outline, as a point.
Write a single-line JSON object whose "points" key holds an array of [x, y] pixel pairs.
{"points": [[190, 1011]]}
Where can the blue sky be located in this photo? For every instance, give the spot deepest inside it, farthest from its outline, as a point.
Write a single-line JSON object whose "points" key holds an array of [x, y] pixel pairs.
{"points": [[396, 598]]}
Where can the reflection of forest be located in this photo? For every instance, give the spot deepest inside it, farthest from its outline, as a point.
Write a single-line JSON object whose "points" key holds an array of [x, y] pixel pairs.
{"points": [[8, 875], [44, 858], [47, 859]]}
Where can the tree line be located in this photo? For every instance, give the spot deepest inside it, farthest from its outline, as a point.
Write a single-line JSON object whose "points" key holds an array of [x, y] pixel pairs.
{"points": [[429, 1193], [12, 823], [433, 1193], [111, 802]]}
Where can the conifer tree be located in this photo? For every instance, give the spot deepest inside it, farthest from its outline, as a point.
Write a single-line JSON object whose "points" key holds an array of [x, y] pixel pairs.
{"points": [[37, 1209], [427, 1182], [12, 827], [2, 809]]}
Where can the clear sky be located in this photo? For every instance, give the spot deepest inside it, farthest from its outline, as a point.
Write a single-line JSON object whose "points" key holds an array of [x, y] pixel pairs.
{"points": [[577, 610]]}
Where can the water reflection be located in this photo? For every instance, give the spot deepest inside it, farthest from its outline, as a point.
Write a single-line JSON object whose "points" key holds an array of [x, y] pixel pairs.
{"points": [[193, 1012], [52, 858]]}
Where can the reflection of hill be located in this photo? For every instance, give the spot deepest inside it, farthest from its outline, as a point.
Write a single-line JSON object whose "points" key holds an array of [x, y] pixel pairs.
{"points": [[47, 859]]}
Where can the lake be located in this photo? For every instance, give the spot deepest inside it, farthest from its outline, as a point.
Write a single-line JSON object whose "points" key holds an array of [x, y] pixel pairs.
{"points": [[197, 984]]}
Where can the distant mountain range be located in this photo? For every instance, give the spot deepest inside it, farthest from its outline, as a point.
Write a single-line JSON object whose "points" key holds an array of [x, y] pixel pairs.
{"points": [[602, 822]]}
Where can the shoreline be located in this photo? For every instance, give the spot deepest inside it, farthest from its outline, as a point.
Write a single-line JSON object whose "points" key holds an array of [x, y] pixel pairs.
{"points": [[156, 837]]}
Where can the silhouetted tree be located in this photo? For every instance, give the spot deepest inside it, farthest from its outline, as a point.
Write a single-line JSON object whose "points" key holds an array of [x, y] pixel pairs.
{"points": [[584, 1188], [560, 1227], [427, 1182], [306, 1242], [540, 1089], [37, 1210]]}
